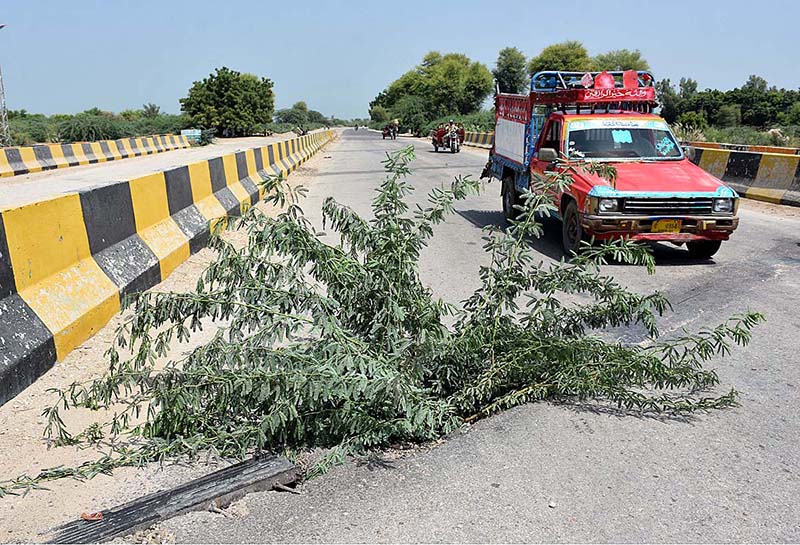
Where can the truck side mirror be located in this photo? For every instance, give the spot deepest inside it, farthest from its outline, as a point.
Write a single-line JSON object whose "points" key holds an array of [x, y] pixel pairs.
{"points": [[549, 155]]}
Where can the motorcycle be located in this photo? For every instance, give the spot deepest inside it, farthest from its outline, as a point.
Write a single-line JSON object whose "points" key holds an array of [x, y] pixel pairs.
{"points": [[453, 141]]}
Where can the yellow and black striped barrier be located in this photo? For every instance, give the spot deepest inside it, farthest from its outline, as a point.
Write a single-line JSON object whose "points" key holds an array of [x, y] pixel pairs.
{"points": [[766, 173], [15, 161], [771, 177], [66, 262], [479, 139]]}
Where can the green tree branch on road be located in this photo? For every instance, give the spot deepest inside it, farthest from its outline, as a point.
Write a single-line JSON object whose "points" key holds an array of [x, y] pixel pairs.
{"points": [[231, 102]]}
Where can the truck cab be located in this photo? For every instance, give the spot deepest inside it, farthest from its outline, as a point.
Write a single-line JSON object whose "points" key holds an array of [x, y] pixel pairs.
{"points": [[657, 195]]}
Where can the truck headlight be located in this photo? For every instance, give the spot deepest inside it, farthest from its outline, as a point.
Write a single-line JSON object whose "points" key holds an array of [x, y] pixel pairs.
{"points": [[607, 205], [723, 206]]}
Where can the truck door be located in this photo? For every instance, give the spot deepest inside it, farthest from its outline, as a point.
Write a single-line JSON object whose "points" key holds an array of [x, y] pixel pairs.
{"points": [[550, 138]]}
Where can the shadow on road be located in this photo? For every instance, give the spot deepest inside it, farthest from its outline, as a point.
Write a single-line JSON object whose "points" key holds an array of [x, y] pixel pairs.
{"points": [[666, 255]]}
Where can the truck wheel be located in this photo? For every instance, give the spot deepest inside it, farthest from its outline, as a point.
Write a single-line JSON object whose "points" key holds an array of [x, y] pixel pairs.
{"points": [[510, 199], [703, 249], [571, 230]]}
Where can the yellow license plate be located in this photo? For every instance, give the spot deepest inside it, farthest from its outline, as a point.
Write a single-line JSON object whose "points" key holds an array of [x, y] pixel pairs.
{"points": [[666, 226]]}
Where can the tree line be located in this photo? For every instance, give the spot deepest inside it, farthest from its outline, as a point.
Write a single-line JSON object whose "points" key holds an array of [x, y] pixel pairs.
{"points": [[225, 103], [454, 86]]}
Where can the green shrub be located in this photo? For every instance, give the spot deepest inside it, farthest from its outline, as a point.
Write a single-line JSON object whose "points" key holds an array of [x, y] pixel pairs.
{"points": [[91, 127], [30, 130], [482, 121]]}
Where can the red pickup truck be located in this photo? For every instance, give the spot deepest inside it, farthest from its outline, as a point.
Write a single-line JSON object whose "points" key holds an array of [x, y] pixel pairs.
{"points": [[658, 194]]}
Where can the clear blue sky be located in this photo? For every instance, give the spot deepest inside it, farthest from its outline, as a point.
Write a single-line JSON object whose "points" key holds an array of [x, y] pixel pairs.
{"points": [[66, 56]]}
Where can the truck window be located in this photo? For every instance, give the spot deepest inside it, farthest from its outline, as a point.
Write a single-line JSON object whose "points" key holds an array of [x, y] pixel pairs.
{"points": [[552, 138], [622, 139]]}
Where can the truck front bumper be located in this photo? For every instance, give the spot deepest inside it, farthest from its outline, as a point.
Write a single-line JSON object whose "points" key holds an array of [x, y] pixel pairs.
{"points": [[640, 227]]}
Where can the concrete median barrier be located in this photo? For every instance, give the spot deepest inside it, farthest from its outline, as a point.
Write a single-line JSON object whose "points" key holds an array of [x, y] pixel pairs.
{"points": [[766, 173], [770, 177], [66, 262], [15, 161], [479, 139]]}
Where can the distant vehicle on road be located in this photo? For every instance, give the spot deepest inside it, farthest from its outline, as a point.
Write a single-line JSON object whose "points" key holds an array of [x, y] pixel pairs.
{"points": [[390, 130], [658, 195], [448, 136]]}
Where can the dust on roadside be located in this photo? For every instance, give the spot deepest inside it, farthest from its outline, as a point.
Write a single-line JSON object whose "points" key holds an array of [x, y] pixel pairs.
{"points": [[23, 450]]}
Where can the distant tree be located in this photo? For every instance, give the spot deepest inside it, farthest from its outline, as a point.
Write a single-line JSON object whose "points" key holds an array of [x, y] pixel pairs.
{"points": [[792, 117], [668, 100], [131, 115], [729, 115], [693, 120], [412, 112], [569, 56], [292, 116], [314, 116], [379, 114], [300, 105], [445, 84], [150, 110], [17, 114], [688, 88], [756, 84], [230, 102], [510, 73], [94, 111], [620, 59]]}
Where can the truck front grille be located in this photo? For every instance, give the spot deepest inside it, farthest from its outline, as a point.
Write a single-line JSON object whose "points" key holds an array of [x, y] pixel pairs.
{"points": [[667, 207]]}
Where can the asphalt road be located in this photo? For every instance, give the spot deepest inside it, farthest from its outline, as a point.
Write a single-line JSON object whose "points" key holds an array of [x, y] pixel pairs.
{"points": [[546, 472]]}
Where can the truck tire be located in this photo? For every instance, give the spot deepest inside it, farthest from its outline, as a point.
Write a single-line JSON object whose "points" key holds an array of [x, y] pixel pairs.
{"points": [[703, 249], [571, 230], [510, 199]]}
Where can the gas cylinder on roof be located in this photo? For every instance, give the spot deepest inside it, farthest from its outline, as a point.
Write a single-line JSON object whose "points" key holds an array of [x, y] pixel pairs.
{"points": [[604, 80]]}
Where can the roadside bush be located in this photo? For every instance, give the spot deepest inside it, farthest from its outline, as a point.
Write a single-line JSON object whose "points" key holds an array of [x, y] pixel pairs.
{"points": [[161, 124], [34, 129], [482, 121], [89, 127], [780, 136], [342, 345]]}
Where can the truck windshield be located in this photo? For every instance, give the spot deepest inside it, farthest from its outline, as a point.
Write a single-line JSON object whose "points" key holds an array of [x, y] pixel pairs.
{"points": [[621, 139]]}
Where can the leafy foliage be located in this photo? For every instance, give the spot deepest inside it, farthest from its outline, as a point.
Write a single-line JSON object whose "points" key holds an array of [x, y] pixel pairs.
{"points": [[93, 124], [341, 345], [753, 104], [231, 102], [151, 110], [509, 72], [570, 55], [441, 85], [482, 121], [620, 59], [87, 127]]}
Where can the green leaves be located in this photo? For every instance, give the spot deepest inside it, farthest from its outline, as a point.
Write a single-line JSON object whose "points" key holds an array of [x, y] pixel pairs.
{"points": [[342, 346]]}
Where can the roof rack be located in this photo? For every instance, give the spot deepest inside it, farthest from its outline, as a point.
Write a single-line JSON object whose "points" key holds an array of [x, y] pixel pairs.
{"points": [[628, 90]]}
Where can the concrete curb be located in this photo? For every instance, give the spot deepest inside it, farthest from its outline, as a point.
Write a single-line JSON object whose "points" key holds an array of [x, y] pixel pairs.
{"points": [[15, 161], [770, 177], [483, 140], [66, 262]]}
